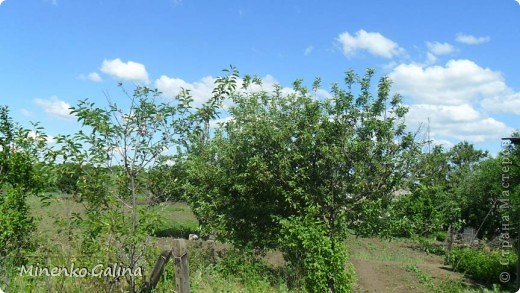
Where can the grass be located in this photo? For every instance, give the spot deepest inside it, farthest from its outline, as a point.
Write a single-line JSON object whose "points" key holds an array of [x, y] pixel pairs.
{"points": [[178, 221], [380, 250], [424, 278], [447, 286]]}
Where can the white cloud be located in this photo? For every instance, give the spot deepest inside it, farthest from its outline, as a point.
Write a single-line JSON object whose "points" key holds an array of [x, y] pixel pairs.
{"points": [[458, 82], [443, 142], [453, 113], [471, 40], [1, 1], [308, 51], [94, 76], [373, 42], [440, 48], [508, 103], [201, 90], [430, 58], [461, 122], [55, 107], [449, 96], [130, 70]]}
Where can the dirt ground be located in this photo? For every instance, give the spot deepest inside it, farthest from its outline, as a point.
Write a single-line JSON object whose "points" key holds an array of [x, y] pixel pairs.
{"points": [[384, 266]]}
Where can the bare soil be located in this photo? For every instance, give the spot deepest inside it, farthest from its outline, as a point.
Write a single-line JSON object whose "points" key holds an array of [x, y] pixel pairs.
{"points": [[383, 266]]}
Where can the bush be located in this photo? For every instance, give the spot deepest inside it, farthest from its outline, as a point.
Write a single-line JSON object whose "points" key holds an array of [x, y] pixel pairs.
{"points": [[429, 246], [483, 266], [440, 236], [319, 260], [16, 224]]}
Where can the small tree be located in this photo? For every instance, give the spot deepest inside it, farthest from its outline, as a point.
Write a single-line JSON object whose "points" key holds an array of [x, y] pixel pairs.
{"points": [[112, 150]]}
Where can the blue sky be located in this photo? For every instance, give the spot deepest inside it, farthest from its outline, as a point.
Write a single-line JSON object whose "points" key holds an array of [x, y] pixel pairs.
{"points": [[456, 62]]}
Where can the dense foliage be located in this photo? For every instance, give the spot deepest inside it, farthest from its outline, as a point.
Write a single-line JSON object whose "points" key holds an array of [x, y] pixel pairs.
{"points": [[483, 266], [290, 159], [19, 175]]}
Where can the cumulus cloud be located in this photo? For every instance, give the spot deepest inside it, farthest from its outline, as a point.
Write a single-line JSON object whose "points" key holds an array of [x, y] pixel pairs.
{"points": [[430, 58], [461, 122], [442, 142], [471, 40], [55, 107], [1, 1], [440, 48], [449, 96], [130, 70], [372, 42], [508, 103], [200, 90], [458, 82]]}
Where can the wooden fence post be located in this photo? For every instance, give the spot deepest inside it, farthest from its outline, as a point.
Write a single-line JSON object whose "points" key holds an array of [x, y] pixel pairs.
{"points": [[181, 266], [157, 271]]}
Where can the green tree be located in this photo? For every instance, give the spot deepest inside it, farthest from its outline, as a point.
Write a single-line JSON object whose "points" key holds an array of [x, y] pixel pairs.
{"points": [[463, 159], [481, 191], [297, 165], [109, 155], [439, 196], [20, 150], [114, 149]]}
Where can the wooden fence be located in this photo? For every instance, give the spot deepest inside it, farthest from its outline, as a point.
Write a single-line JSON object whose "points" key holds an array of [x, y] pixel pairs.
{"points": [[181, 268]]}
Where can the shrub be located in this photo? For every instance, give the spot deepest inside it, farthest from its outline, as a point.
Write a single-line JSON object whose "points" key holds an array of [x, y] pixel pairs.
{"points": [[430, 246], [483, 266], [320, 260], [16, 224], [440, 236]]}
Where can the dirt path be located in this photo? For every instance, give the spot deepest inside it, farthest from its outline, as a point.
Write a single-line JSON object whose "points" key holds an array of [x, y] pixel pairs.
{"points": [[381, 276], [383, 266]]}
